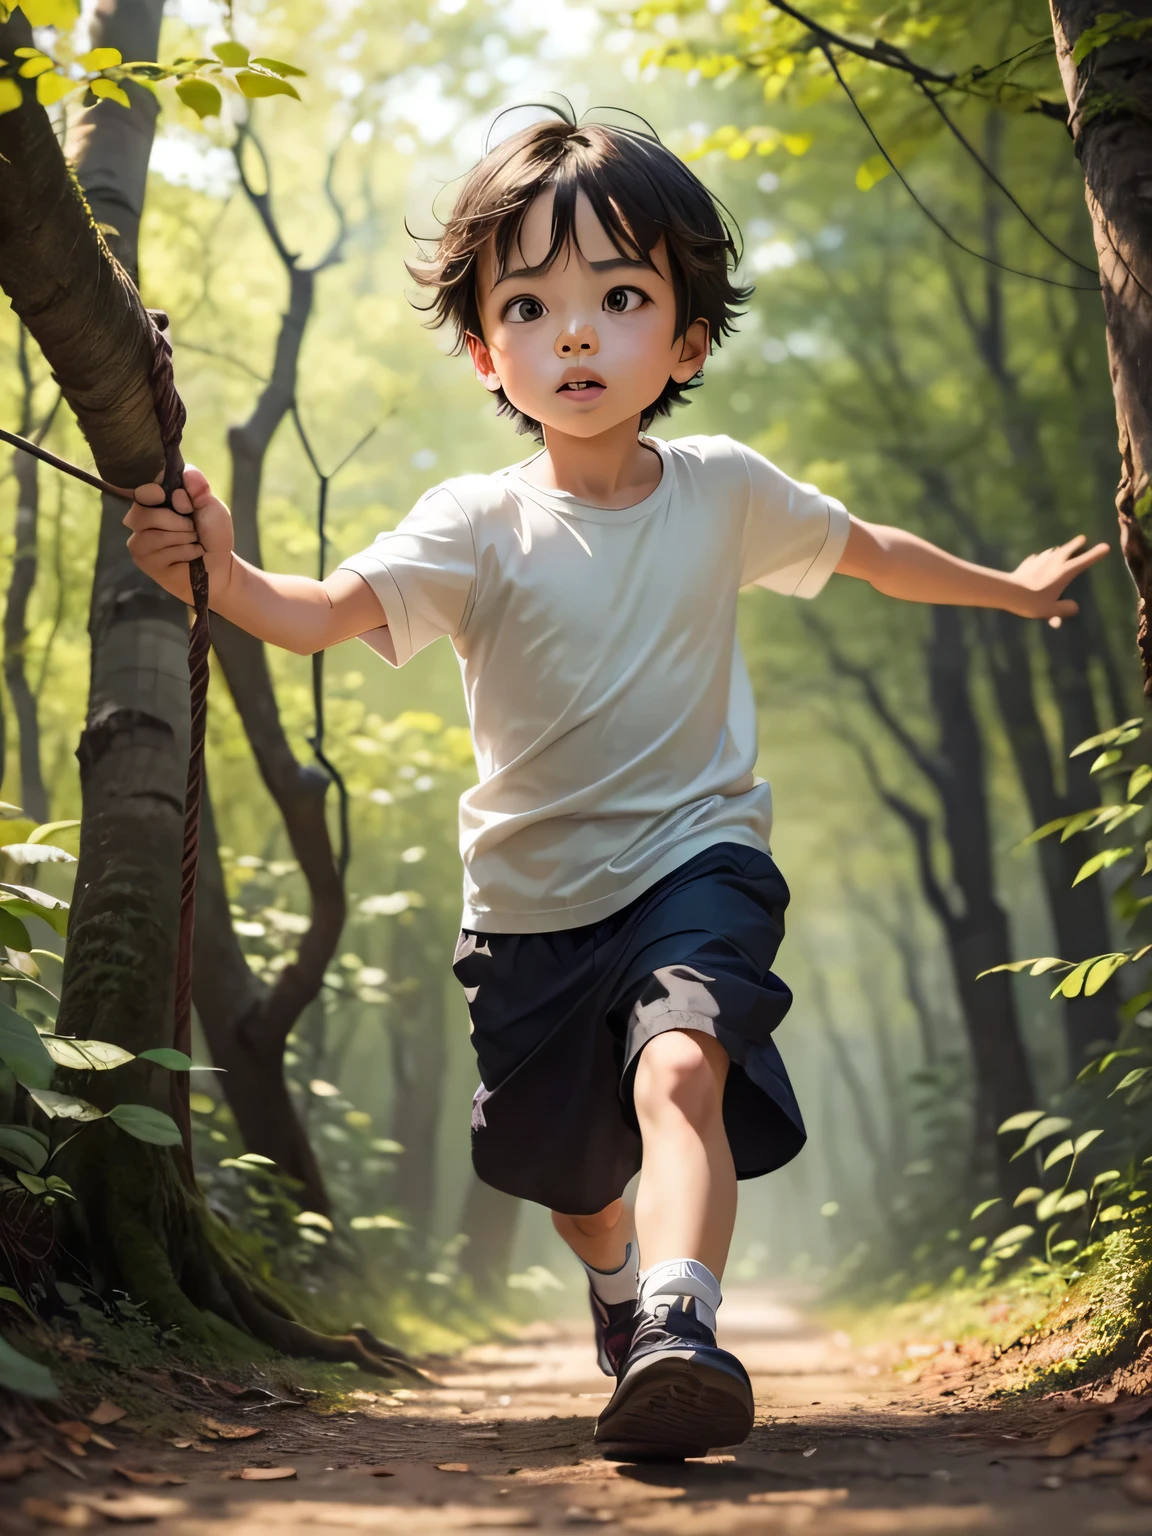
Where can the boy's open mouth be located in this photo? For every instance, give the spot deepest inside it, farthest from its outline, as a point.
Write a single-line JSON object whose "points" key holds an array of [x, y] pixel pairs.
{"points": [[584, 385]]}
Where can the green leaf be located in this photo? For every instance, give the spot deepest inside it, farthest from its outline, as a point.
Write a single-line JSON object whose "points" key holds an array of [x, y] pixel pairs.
{"points": [[1119, 735], [147, 1124], [22, 1049], [254, 85], [1072, 1201], [1046, 1208], [1069, 1245], [23, 1148], [1014, 1235], [1046, 963], [278, 67], [1045, 831], [64, 1106], [165, 1056], [231, 55], [1074, 981], [1106, 760], [107, 90], [53, 88], [1021, 1122], [14, 1299], [1085, 1140], [37, 65], [1113, 1213], [313, 1219], [985, 1205], [1130, 1079], [1028, 1196], [1141, 778], [1057, 1155], [13, 933], [11, 96], [27, 1377], [1109, 1176], [201, 95], [33, 1184], [94, 60], [86, 1055], [1049, 1125], [26, 901], [1102, 973], [1103, 860]]}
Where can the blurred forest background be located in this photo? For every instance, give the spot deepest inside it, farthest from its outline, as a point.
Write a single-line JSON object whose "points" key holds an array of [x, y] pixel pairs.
{"points": [[910, 750]]}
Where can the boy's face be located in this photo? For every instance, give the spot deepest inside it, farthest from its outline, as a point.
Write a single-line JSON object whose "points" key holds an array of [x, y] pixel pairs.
{"points": [[589, 343]]}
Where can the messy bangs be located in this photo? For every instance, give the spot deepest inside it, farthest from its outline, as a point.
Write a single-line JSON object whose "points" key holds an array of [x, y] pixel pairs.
{"points": [[641, 194]]}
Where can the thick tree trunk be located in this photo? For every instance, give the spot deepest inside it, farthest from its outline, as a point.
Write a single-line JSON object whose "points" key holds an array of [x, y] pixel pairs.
{"points": [[1110, 117], [978, 937]]}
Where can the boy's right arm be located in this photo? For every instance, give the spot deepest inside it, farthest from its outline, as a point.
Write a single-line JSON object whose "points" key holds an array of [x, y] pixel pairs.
{"points": [[293, 612]]}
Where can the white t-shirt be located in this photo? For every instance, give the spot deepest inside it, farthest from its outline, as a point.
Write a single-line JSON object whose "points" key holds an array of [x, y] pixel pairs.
{"points": [[611, 710]]}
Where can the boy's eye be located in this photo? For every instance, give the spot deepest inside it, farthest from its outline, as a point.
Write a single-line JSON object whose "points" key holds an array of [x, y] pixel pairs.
{"points": [[525, 310], [618, 301]]}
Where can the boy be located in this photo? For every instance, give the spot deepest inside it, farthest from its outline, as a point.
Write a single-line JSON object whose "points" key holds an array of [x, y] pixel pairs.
{"points": [[621, 906]]}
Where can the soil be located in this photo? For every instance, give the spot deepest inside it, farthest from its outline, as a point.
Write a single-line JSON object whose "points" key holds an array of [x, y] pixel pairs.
{"points": [[843, 1444]]}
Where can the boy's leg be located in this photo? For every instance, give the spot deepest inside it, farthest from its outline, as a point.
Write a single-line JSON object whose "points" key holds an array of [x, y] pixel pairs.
{"points": [[686, 1203], [605, 1243], [678, 1393]]}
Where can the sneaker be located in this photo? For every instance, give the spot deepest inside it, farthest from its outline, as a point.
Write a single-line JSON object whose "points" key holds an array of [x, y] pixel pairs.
{"points": [[615, 1323], [678, 1394]]}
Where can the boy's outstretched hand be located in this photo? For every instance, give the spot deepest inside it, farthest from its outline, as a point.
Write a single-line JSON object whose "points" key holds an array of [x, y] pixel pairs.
{"points": [[163, 543], [900, 564], [1044, 577]]}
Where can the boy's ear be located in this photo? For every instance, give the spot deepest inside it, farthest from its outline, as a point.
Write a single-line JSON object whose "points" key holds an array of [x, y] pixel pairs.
{"points": [[482, 362], [695, 345]]}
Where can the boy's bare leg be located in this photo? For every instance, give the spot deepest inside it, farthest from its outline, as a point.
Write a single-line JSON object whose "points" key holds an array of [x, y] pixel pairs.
{"points": [[601, 1239], [686, 1204]]}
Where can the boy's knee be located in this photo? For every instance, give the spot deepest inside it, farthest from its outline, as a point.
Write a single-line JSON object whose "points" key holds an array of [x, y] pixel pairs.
{"points": [[683, 1071], [594, 1225]]}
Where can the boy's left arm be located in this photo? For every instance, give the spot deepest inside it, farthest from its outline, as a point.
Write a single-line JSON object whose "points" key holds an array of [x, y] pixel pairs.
{"points": [[901, 565]]}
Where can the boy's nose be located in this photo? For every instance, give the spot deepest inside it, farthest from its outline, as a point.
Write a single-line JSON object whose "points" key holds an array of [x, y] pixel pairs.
{"points": [[577, 341]]}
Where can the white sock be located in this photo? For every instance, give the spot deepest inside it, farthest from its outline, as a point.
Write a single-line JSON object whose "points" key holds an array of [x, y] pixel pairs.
{"points": [[664, 1283], [616, 1285]]}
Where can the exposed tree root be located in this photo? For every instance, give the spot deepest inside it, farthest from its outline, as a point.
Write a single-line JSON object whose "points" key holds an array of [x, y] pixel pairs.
{"points": [[144, 1233]]}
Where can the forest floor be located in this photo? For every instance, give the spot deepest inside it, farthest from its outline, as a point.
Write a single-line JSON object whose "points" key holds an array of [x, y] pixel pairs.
{"points": [[844, 1443]]}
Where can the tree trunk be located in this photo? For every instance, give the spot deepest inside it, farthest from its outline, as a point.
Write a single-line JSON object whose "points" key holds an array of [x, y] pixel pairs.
{"points": [[488, 1220], [248, 1023], [417, 1026], [978, 937], [1110, 117], [20, 587]]}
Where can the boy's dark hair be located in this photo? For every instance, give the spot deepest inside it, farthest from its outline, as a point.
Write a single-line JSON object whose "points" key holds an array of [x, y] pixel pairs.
{"points": [[641, 193]]}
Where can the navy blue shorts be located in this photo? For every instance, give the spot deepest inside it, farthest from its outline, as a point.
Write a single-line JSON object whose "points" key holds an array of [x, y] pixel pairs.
{"points": [[559, 1021]]}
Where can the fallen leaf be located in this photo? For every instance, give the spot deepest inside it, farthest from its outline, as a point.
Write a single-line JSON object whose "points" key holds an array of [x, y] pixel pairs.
{"points": [[267, 1474], [75, 1449], [65, 1466], [149, 1479], [193, 1445], [105, 1445], [452, 1466], [1078, 1432], [106, 1413], [73, 1429], [129, 1508], [73, 1517], [232, 1431]]}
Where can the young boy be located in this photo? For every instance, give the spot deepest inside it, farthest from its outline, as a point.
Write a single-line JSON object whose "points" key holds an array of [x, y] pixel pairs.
{"points": [[621, 908]]}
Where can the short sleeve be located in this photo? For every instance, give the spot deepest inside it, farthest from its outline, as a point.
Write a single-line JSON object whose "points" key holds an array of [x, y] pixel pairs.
{"points": [[793, 536], [424, 573]]}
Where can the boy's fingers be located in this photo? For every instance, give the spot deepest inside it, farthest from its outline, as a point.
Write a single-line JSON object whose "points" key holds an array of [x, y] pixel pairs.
{"points": [[1073, 544], [141, 518], [182, 501], [149, 495], [196, 483]]}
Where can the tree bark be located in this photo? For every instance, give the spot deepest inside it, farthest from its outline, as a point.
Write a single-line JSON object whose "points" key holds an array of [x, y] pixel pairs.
{"points": [[488, 1220], [24, 561], [1110, 117]]}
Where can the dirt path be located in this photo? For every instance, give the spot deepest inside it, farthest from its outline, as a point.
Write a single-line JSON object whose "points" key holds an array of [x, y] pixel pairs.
{"points": [[841, 1446]]}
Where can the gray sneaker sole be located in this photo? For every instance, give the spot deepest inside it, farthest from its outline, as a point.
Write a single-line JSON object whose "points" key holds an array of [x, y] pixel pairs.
{"points": [[676, 1403]]}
